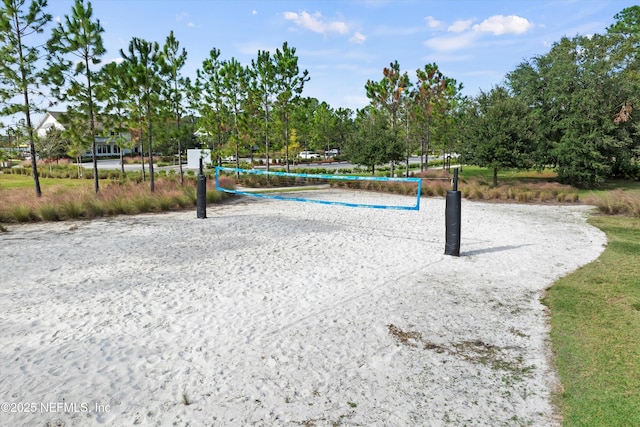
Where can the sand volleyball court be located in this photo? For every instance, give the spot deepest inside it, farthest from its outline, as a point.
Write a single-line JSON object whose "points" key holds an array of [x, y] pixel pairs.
{"points": [[277, 313]]}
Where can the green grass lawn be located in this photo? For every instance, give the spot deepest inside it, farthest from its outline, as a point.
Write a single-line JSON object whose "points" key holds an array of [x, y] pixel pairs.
{"points": [[595, 331], [11, 181]]}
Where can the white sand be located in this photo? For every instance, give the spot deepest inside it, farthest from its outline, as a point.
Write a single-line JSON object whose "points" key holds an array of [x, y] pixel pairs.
{"points": [[285, 313]]}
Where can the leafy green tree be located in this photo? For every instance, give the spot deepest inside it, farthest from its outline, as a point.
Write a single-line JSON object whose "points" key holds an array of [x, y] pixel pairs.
{"points": [[324, 127], [500, 132], [18, 68], [627, 28], [344, 126], [145, 82], [76, 45], [290, 84], [375, 141], [308, 136], [625, 34], [527, 83], [577, 91], [51, 146]]}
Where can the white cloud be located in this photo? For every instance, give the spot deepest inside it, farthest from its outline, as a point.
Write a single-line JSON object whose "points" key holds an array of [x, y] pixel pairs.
{"points": [[448, 44], [434, 23], [448, 58], [358, 38], [254, 12], [57, 19], [460, 26], [317, 23], [500, 24], [184, 16]]}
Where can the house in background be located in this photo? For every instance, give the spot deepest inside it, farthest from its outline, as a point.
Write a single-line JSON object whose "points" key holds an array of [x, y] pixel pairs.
{"points": [[105, 146]]}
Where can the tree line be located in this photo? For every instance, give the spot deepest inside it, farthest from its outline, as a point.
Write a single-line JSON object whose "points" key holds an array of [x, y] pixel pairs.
{"points": [[571, 109]]}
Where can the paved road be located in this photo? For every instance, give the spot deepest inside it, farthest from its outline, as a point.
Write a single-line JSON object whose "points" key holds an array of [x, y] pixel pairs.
{"points": [[115, 164]]}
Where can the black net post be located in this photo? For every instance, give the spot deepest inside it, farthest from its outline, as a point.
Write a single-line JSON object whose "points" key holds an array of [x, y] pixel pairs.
{"points": [[201, 200], [453, 218]]}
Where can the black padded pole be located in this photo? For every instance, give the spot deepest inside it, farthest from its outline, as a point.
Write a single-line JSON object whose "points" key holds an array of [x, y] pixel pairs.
{"points": [[201, 200], [453, 218]]}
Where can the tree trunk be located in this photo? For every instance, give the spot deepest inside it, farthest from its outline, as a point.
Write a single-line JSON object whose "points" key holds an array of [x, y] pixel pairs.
{"points": [[27, 111], [407, 141], [180, 162], [121, 158], [495, 177], [92, 128], [428, 142], [144, 173], [150, 143], [266, 130], [286, 142]]}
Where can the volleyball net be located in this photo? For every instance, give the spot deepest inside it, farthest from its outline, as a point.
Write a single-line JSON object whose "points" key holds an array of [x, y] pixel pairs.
{"points": [[343, 190]]}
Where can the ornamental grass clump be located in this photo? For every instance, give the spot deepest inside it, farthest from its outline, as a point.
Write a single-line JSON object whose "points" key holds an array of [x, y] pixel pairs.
{"points": [[617, 202], [23, 213], [48, 212]]}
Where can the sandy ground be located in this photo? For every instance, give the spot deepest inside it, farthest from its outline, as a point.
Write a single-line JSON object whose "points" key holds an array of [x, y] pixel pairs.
{"points": [[285, 313]]}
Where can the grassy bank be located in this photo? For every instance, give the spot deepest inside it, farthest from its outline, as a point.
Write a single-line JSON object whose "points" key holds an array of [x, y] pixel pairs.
{"points": [[595, 330]]}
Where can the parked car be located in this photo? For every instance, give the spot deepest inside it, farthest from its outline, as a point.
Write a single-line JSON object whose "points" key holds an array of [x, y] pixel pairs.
{"points": [[309, 155], [332, 153]]}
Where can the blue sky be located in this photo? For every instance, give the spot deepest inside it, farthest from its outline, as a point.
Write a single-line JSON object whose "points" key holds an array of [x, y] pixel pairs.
{"points": [[344, 43]]}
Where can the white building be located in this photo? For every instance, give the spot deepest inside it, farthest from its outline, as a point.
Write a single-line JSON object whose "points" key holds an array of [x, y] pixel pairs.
{"points": [[105, 146]]}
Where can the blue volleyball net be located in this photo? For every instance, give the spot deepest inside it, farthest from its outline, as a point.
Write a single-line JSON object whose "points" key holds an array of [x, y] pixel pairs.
{"points": [[343, 190]]}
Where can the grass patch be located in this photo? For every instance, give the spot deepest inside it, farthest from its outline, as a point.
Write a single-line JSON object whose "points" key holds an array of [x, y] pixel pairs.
{"points": [[15, 181], [617, 202], [595, 325], [48, 212]]}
